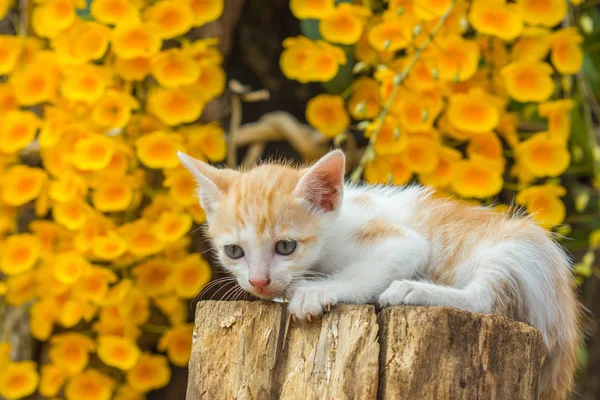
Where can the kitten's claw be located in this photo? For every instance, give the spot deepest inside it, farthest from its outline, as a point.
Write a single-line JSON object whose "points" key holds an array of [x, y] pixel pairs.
{"points": [[309, 301], [294, 318], [328, 307]]}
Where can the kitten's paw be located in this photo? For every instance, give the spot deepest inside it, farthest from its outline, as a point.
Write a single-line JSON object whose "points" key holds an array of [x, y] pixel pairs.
{"points": [[307, 302], [404, 292]]}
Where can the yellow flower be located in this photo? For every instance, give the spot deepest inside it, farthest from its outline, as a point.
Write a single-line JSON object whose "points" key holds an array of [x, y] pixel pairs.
{"points": [[203, 51], [533, 45], [52, 379], [475, 178], [153, 277], [8, 99], [67, 187], [543, 203], [82, 42], [558, 114], [35, 84], [53, 16], [173, 307], [113, 322], [488, 146], [309, 9], [190, 275], [421, 154], [417, 112], [133, 69], [175, 106], [173, 68], [344, 24], [72, 215], [327, 114], [125, 392], [151, 372], [389, 139], [169, 18], [392, 34], [70, 351], [118, 352], [136, 40], [595, 239], [10, 51], [113, 110], [5, 6], [141, 241], [159, 149], [114, 12], [325, 62], [93, 153], [172, 226], [93, 285], [528, 81], [455, 59], [112, 196], [294, 60], [430, 9], [364, 104], [441, 177], [206, 141], [388, 169], [109, 247], [178, 344], [43, 313], [21, 288], [543, 155], [204, 11], [495, 18], [85, 83], [69, 267], [542, 12], [182, 187], [210, 82], [473, 112], [22, 184], [18, 130], [89, 385], [566, 56], [18, 380]]}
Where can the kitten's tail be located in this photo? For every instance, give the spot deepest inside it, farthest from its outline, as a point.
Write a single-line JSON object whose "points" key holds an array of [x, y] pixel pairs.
{"points": [[560, 363]]}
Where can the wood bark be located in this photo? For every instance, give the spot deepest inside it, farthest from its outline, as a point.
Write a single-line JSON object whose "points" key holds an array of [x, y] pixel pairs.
{"points": [[251, 350]]}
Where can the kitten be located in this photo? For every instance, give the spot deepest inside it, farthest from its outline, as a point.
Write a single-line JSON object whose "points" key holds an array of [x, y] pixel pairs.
{"points": [[303, 233]]}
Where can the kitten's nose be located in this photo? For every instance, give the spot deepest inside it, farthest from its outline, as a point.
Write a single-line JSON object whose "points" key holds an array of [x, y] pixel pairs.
{"points": [[260, 283]]}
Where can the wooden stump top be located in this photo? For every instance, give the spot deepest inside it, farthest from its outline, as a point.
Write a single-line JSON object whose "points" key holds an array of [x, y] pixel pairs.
{"points": [[252, 350]]}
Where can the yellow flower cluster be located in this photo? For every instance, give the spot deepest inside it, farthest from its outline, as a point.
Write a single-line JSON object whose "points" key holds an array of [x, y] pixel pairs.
{"points": [[95, 105], [440, 88]]}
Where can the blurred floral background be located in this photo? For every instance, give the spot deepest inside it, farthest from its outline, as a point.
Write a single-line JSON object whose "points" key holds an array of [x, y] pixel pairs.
{"points": [[101, 255]]}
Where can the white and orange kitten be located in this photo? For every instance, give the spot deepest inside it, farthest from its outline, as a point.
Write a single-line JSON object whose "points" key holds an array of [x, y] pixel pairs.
{"points": [[304, 234]]}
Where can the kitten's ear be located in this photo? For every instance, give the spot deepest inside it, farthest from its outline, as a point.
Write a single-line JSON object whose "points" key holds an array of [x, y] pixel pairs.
{"points": [[322, 185], [212, 182]]}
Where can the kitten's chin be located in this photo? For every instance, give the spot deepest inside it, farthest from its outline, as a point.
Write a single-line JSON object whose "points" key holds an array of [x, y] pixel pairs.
{"points": [[266, 294]]}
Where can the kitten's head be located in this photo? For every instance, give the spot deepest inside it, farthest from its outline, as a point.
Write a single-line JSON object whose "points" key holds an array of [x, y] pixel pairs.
{"points": [[269, 224]]}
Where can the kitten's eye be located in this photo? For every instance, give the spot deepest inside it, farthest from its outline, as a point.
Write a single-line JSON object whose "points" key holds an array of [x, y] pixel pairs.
{"points": [[285, 247], [234, 251]]}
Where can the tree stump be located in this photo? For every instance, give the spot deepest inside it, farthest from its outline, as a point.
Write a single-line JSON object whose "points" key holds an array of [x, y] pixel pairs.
{"points": [[251, 350]]}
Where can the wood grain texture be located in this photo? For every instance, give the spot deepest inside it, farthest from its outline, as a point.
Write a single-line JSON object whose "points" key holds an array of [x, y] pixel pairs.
{"points": [[444, 353], [234, 350], [250, 350], [335, 358]]}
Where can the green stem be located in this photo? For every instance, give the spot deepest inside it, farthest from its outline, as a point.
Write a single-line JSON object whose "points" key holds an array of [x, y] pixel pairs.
{"points": [[398, 79]]}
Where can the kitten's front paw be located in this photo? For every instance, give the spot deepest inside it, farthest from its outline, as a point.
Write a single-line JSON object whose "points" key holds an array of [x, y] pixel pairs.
{"points": [[404, 292], [307, 302]]}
